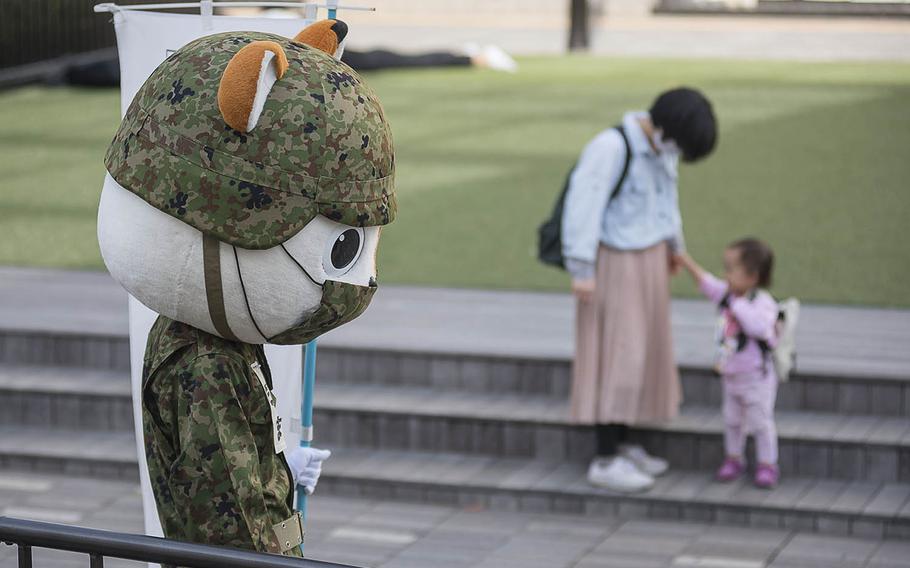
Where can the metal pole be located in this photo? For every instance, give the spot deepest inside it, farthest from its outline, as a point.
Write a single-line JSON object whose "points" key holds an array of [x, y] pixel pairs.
{"points": [[306, 436], [111, 7], [26, 534], [25, 556]]}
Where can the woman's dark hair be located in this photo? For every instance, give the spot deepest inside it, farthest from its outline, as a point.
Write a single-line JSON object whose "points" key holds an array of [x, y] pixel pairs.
{"points": [[757, 257], [685, 116]]}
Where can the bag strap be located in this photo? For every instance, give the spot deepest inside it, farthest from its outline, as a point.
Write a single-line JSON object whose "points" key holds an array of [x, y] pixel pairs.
{"points": [[625, 165], [763, 345]]}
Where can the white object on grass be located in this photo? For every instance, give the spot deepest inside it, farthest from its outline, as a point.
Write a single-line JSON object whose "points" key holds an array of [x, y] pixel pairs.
{"points": [[498, 60]]}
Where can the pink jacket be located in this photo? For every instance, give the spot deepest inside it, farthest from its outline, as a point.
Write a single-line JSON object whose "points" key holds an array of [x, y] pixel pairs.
{"points": [[755, 318]]}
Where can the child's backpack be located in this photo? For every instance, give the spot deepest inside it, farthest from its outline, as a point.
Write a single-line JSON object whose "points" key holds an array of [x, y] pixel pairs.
{"points": [[784, 354], [549, 234]]}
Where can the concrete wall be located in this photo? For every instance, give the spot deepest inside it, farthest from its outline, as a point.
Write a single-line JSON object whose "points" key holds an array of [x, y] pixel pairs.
{"points": [[493, 13]]}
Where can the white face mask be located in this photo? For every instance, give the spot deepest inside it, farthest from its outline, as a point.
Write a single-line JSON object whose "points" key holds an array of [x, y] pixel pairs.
{"points": [[665, 146]]}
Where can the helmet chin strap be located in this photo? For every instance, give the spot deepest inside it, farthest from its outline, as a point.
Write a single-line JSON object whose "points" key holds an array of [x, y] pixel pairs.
{"points": [[214, 290], [246, 299]]}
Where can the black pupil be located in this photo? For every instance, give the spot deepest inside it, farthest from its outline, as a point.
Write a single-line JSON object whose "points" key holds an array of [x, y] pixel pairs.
{"points": [[344, 251]]}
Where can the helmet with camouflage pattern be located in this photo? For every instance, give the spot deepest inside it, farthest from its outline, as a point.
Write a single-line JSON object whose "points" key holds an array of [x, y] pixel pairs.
{"points": [[268, 165]]}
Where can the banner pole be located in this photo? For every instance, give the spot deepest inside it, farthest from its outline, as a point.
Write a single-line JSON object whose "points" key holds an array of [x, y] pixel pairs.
{"points": [[114, 8], [306, 436], [310, 13], [206, 10], [309, 353]]}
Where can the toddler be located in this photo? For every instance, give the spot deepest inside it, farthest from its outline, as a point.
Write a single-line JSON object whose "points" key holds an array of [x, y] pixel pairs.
{"points": [[745, 337]]}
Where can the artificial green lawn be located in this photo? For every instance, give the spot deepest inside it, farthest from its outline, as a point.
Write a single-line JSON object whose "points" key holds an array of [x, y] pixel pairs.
{"points": [[815, 158]]}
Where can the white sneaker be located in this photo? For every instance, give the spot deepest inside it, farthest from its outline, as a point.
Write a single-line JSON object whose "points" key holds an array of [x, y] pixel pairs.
{"points": [[499, 60], [646, 463], [618, 474]]}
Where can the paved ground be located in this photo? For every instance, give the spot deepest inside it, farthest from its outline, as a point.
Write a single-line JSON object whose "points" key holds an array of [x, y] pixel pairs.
{"points": [[377, 533], [831, 340]]}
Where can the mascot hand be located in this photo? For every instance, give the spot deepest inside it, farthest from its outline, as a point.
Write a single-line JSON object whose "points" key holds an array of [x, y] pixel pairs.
{"points": [[306, 466]]}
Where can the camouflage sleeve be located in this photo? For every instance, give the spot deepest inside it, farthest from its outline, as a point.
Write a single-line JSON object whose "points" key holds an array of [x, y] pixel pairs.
{"points": [[217, 473]]}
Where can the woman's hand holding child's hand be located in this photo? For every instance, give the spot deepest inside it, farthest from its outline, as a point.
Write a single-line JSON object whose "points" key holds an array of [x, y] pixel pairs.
{"points": [[675, 263], [583, 289]]}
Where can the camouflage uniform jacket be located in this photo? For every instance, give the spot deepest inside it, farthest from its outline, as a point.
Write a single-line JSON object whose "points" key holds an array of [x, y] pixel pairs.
{"points": [[208, 440]]}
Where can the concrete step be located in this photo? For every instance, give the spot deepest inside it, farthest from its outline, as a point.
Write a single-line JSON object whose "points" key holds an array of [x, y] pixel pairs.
{"points": [[821, 445], [862, 508], [825, 445], [94, 350], [851, 359], [65, 397], [96, 454], [887, 394], [882, 395]]}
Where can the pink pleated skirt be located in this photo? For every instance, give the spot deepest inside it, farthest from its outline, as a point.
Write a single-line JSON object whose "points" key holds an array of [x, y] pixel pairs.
{"points": [[624, 369]]}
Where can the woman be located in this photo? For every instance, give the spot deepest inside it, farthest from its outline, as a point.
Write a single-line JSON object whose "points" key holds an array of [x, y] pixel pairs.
{"points": [[620, 234]]}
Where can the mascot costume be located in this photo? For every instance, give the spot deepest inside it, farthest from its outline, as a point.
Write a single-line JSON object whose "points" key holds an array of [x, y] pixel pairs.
{"points": [[245, 191]]}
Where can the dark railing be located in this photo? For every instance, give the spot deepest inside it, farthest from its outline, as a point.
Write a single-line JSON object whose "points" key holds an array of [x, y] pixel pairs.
{"points": [[37, 30], [98, 544]]}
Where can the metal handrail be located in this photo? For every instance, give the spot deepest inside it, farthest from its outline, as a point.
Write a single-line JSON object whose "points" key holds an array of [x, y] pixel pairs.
{"points": [[98, 543]]}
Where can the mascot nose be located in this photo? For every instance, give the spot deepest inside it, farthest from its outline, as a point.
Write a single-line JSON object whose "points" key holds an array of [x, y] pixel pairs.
{"points": [[341, 30]]}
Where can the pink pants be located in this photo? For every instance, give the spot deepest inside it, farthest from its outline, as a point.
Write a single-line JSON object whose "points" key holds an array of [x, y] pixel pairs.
{"points": [[749, 409]]}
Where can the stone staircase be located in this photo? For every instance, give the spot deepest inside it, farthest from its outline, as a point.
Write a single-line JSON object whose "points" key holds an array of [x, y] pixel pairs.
{"points": [[473, 411], [487, 431]]}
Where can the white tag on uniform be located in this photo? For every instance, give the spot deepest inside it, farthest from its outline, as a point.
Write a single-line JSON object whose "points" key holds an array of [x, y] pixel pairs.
{"points": [[277, 436]]}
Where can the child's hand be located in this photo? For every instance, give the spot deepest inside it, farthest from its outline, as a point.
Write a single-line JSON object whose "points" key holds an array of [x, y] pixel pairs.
{"points": [[684, 260]]}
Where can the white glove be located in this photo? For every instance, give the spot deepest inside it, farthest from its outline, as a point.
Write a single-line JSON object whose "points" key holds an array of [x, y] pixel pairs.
{"points": [[306, 466]]}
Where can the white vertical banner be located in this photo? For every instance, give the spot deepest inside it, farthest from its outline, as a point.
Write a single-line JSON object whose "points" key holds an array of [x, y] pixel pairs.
{"points": [[144, 40]]}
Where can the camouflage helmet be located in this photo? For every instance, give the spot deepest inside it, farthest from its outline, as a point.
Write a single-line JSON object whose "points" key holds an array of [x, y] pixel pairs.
{"points": [[321, 145]]}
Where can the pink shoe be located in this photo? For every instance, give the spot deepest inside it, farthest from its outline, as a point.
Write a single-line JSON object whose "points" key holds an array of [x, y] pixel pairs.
{"points": [[730, 470], [767, 476]]}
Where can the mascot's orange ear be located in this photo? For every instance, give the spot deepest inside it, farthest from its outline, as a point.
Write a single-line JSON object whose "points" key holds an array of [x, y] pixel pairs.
{"points": [[246, 83], [325, 35]]}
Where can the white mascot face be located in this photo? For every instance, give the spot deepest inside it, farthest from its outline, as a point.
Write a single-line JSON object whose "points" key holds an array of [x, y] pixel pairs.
{"points": [[159, 260]]}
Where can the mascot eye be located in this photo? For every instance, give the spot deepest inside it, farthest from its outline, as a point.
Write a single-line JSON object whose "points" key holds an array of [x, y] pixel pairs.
{"points": [[343, 250]]}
